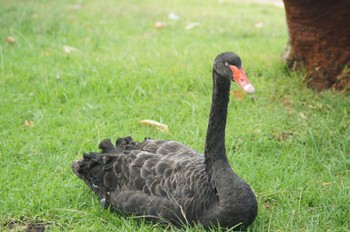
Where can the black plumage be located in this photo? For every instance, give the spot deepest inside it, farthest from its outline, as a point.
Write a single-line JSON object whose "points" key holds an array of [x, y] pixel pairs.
{"points": [[165, 180]]}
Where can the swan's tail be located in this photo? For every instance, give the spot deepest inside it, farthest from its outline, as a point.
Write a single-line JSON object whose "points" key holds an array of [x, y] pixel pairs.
{"points": [[95, 168], [90, 170]]}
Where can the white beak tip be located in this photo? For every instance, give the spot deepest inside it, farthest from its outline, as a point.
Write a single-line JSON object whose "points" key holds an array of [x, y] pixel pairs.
{"points": [[249, 88]]}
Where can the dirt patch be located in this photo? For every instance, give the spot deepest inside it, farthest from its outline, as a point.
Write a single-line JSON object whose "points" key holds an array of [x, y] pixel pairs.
{"points": [[26, 226], [283, 136]]}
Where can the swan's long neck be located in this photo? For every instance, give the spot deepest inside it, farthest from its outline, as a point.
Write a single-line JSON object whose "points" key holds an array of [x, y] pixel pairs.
{"points": [[225, 182], [215, 140], [233, 197]]}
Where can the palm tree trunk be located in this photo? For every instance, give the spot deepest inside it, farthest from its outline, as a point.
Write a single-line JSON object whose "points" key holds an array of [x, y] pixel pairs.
{"points": [[319, 41]]}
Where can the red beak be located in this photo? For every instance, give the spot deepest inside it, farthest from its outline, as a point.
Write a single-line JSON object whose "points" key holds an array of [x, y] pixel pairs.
{"points": [[241, 79]]}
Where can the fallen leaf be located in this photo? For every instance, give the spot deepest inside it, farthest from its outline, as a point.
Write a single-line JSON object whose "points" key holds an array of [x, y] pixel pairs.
{"points": [[160, 25], [302, 115], [238, 94], [267, 205], [68, 49], [317, 106], [10, 39], [173, 16], [326, 184], [192, 25], [159, 126], [259, 25], [28, 123]]}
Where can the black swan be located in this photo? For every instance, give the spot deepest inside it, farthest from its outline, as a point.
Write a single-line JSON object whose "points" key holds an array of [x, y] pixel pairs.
{"points": [[165, 180]]}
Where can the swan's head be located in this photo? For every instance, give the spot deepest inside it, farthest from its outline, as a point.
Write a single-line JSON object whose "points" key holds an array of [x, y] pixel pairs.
{"points": [[229, 65]]}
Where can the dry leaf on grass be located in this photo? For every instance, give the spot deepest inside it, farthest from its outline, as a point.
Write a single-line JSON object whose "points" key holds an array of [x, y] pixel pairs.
{"points": [[238, 94], [159, 126], [173, 16], [326, 184], [10, 40], [28, 123], [68, 49], [302, 115], [160, 25], [192, 25], [259, 25]]}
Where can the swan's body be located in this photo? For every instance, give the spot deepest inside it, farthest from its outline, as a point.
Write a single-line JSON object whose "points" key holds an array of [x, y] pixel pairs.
{"points": [[167, 180]]}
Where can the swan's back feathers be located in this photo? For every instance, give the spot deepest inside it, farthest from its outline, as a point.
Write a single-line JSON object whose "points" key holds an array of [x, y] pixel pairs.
{"points": [[161, 179]]}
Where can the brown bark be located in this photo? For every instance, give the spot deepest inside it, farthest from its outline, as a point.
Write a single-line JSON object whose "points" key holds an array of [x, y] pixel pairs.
{"points": [[319, 41]]}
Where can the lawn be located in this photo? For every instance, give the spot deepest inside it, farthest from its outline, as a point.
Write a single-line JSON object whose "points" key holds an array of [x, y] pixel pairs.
{"points": [[75, 72]]}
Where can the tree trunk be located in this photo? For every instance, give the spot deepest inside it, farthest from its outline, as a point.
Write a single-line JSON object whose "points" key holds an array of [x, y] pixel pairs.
{"points": [[319, 41]]}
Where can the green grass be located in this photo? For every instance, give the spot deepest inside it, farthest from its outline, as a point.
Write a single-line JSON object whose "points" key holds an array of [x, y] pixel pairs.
{"points": [[290, 144]]}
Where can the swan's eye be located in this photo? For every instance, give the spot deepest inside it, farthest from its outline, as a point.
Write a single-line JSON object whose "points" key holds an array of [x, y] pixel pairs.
{"points": [[226, 64]]}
